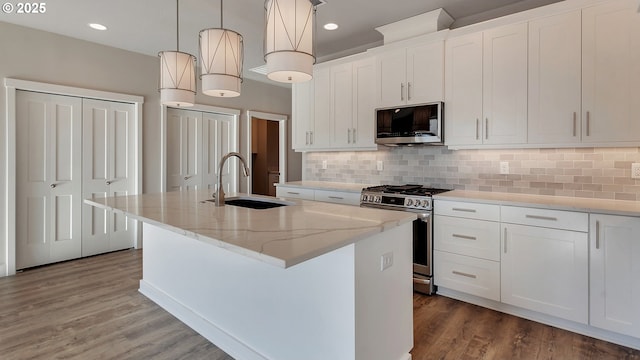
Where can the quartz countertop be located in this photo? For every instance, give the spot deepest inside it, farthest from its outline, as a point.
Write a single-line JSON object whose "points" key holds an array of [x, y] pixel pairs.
{"points": [[600, 206], [327, 185], [282, 236]]}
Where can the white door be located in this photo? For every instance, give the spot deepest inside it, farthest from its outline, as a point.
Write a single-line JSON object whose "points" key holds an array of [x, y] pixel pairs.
{"points": [[49, 183], [555, 56], [463, 86], [545, 270], [220, 136], [108, 170], [611, 84], [184, 149], [505, 85], [615, 270]]}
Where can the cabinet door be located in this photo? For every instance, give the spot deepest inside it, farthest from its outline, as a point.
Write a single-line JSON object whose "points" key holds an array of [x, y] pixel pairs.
{"points": [[391, 68], [505, 85], [545, 270], [463, 98], [184, 149], [108, 170], [555, 79], [320, 135], [611, 83], [364, 117], [615, 270], [49, 178], [425, 73], [341, 105], [302, 113]]}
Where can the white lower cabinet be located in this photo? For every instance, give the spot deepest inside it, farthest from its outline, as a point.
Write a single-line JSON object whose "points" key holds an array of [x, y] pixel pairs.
{"points": [[615, 273], [545, 270], [468, 274]]}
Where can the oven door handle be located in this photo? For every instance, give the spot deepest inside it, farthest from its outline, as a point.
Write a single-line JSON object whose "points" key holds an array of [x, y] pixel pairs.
{"points": [[421, 281]]}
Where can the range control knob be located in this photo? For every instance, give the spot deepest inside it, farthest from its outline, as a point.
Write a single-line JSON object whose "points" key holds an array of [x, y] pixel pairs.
{"points": [[365, 197], [408, 202], [425, 203]]}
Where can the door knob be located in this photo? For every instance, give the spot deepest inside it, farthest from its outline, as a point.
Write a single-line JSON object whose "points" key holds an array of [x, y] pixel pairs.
{"points": [[53, 186], [109, 182]]}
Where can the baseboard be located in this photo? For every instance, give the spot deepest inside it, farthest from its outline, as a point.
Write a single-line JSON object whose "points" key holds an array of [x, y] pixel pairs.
{"points": [[226, 342]]}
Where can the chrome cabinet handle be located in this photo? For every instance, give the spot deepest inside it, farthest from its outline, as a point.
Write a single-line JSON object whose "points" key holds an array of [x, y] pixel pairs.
{"points": [[402, 91], [455, 272], [348, 136], [293, 193], [467, 237], [477, 129], [353, 135], [310, 137], [306, 140], [588, 124], [464, 210], [538, 217], [408, 91], [336, 197], [505, 240], [486, 128], [597, 234], [575, 116]]}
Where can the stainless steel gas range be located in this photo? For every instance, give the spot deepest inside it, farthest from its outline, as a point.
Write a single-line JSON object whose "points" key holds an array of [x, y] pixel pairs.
{"points": [[417, 199]]}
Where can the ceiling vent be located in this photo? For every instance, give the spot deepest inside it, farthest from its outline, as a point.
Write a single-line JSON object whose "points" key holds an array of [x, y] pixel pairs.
{"points": [[422, 24]]}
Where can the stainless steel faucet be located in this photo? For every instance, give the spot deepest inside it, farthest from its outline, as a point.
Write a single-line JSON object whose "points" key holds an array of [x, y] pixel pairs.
{"points": [[219, 195]]}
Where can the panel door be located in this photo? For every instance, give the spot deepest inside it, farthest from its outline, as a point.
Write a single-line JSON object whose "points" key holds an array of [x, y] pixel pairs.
{"points": [[219, 137], [108, 170], [611, 84], [545, 270], [425, 73], [463, 86], [49, 181], [505, 85], [391, 74], [184, 149], [341, 105], [555, 71], [614, 273]]}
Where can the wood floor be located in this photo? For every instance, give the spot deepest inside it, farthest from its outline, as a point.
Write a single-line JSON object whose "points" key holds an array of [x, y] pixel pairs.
{"points": [[91, 309]]}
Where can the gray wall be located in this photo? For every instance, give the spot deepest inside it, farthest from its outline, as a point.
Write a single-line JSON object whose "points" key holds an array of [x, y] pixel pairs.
{"points": [[34, 55]]}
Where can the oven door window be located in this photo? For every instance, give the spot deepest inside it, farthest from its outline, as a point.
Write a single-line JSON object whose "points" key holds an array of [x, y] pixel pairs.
{"points": [[421, 238]]}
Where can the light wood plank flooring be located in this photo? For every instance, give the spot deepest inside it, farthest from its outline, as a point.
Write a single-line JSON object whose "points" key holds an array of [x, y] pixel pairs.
{"points": [[91, 309]]}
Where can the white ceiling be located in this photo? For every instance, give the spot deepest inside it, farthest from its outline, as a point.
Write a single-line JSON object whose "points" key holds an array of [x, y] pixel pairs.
{"points": [[149, 26]]}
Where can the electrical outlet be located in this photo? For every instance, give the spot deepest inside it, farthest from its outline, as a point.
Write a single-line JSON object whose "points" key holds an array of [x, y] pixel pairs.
{"points": [[379, 165], [386, 260], [324, 164], [504, 167], [635, 171]]}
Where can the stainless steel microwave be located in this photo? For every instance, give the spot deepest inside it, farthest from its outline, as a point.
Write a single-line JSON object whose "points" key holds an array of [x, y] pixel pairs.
{"points": [[410, 125]]}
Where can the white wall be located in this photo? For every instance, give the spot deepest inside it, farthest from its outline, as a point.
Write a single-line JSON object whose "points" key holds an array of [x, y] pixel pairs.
{"points": [[34, 55]]}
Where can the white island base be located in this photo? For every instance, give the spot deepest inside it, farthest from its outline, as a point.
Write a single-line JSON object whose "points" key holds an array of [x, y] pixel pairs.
{"points": [[338, 306]]}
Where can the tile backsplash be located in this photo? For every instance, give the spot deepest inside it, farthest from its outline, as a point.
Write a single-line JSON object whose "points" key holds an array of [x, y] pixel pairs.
{"points": [[582, 172]]}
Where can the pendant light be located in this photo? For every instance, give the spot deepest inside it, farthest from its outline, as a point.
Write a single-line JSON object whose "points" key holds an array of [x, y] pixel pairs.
{"points": [[221, 57], [177, 73], [288, 40]]}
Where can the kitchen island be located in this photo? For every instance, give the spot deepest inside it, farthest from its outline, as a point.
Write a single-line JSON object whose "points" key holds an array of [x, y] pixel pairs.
{"points": [[302, 281]]}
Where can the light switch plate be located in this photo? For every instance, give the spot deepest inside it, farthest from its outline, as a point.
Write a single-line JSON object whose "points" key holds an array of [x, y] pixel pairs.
{"points": [[379, 165], [386, 260], [504, 167], [635, 171], [324, 164]]}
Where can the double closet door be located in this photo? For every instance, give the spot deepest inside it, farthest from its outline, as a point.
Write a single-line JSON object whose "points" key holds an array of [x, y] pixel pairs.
{"points": [[196, 141], [65, 147]]}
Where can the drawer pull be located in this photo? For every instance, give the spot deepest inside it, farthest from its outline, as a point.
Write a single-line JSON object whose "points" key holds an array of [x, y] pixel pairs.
{"points": [[538, 217], [505, 240], [463, 274], [464, 210], [293, 193], [336, 197], [467, 237]]}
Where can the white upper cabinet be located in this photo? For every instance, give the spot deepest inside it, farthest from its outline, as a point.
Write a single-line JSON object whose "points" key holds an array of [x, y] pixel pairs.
{"points": [[352, 110], [611, 72], [486, 87], [302, 113], [555, 79], [412, 75], [310, 111]]}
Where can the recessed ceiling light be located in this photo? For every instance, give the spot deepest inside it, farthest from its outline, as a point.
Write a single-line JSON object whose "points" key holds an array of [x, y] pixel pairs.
{"points": [[97, 26], [330, 26]]}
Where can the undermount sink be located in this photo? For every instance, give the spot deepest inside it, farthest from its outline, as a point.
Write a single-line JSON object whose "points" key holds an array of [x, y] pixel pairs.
{"points": [[254, 203]]}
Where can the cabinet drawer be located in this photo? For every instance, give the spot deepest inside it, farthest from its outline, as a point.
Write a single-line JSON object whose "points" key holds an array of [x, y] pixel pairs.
{"points": [[295, 193], [555, 219], [338, 197], [467, 274], [467, 210], [477, 238]]}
